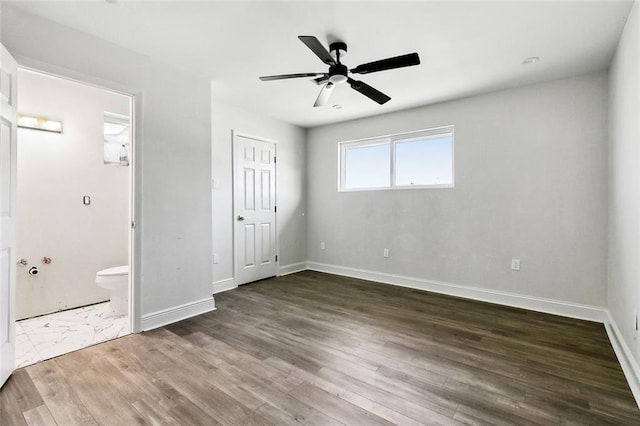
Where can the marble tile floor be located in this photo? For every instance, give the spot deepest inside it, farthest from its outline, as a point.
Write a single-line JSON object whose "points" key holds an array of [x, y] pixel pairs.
{"points": [[48, 336]]}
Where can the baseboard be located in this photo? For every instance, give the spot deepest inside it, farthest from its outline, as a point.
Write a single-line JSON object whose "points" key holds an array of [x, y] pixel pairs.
{"points": [[224, 285], [292, 268], [549, 306], [626, 359], [178, 313]]}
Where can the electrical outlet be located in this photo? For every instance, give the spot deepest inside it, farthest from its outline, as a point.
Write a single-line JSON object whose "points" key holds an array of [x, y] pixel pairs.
{"points": [[385, 252], [515, 264], [216, 258], [323, 246]]}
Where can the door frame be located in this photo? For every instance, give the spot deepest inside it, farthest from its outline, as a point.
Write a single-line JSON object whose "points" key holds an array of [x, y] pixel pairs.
{"points": [[234, 138], [8, 237], [135, 178]]}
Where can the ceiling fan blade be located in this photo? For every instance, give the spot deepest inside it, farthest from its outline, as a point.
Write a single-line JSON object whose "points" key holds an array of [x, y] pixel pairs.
{"points": [[317, 48], [368, 91], [324, 95], [388, 64], [285, 76], [321, 80]]}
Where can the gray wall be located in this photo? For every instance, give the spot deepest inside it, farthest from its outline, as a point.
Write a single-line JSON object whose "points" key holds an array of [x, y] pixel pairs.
{"points": [[173, 150], [624, 184], [290, 184], [531, 183]]}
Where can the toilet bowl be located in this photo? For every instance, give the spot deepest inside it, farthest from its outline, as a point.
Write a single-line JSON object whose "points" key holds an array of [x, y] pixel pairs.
{"points": [[117, 281]]}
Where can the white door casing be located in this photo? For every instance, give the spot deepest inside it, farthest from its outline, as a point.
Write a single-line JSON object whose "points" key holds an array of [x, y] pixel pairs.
{"points": [[254, 208], [8, 136]]}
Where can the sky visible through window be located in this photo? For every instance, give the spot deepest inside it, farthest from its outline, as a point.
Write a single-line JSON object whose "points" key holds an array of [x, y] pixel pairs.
{"points": [[427, 161], [368, 166], [424, 162]]}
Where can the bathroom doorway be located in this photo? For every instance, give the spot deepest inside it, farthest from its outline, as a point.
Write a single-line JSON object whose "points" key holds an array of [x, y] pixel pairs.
{"points": [[75, 209]]}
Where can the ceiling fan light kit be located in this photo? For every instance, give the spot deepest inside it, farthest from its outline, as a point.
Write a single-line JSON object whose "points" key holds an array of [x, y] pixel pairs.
{"points": [[339, 73]]}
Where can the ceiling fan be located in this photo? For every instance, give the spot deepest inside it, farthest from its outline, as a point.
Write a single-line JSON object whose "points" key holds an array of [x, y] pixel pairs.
{"points": [[339, 73]]}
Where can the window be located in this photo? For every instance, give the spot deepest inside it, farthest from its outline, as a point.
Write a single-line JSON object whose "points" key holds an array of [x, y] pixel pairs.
{"points": [[116, 137], [421, 159]]}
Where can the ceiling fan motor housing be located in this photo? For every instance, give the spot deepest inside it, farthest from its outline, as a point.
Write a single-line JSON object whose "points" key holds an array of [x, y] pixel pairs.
{"points": [[338, 73]]}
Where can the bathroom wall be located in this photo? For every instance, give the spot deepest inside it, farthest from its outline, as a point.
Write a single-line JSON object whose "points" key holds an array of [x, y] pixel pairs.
{"points": [[55, 171]]}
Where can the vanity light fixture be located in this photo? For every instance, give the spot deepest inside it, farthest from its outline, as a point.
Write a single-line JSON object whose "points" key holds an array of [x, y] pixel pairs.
{"points": [[39, 123]]}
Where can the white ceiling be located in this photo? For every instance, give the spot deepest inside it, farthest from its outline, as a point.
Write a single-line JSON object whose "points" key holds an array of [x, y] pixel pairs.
{"points": [[465, 47]]}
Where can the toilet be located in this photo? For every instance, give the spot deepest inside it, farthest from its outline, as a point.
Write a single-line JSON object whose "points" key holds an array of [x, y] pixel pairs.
{"points": [[117, 281]]}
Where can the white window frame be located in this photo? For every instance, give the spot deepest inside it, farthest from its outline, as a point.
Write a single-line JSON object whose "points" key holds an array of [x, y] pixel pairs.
{"points": [[392, 140]]}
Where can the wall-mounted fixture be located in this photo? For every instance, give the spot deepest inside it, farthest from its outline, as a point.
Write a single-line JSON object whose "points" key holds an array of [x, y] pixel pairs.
{"points": [[46, 260], [22, 262], [39, 123], [33, 271], [86, 200]]}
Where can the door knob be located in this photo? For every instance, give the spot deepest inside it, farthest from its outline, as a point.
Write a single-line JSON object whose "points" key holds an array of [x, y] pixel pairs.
{"points": [[240, 217]]}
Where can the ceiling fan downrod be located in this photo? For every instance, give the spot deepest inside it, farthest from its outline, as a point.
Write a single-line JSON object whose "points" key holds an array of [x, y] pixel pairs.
{"points": [[338, 72]]}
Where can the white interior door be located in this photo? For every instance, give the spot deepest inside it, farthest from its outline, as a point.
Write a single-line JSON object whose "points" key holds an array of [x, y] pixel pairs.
{"points": [[254, 196], [8, 135]]}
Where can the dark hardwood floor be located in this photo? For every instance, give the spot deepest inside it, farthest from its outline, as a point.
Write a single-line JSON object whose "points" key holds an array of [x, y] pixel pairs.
{"points": [[313, 348]]}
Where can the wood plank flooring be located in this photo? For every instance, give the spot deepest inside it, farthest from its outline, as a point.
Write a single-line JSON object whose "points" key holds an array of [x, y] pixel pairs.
{"points": [[317, 349]]}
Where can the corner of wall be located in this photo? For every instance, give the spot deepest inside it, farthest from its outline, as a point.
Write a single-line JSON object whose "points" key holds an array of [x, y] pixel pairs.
{"points": [[224, 285], [177, 313], [623, 275], [625, 357]]}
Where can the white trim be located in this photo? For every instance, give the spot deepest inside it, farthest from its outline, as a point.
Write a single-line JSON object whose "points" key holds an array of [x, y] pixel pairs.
{"points": [[428, 132], [177, 313], [550, 306], [392, 141], [235, 134], [625, 357], [224, 285], [399, 188], [292, 268]]}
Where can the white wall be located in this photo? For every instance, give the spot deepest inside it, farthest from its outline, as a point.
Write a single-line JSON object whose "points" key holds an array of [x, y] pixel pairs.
{"points": [[290, 185], [54, 172], [624, 185], [531, 183], [172, 154]]}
